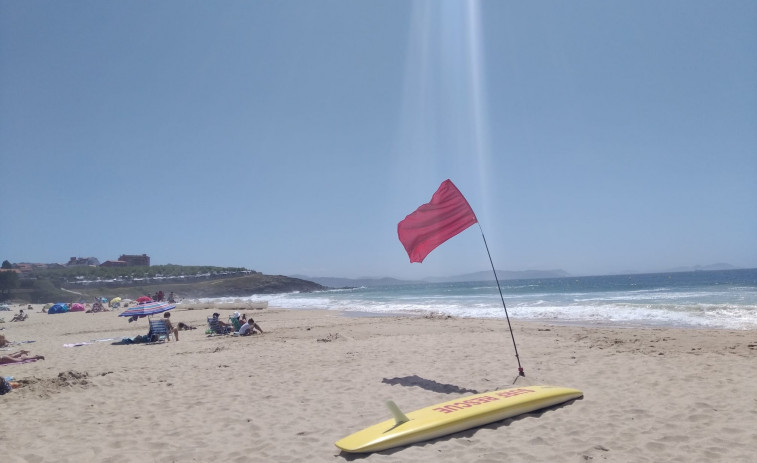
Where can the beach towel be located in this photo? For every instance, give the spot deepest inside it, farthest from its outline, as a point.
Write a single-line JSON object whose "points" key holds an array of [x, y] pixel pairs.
{"points": [[86, 343], [18, 363]]}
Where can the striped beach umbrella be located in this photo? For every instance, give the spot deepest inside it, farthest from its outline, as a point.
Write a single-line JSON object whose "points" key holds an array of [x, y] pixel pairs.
{"points": [[151, 308]]}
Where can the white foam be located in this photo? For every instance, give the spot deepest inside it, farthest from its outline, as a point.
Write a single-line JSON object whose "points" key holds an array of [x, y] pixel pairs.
{"points": [[726, 310]]}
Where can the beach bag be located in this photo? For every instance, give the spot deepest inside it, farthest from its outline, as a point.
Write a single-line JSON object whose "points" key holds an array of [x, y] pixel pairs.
{"points": [[5, 386]]}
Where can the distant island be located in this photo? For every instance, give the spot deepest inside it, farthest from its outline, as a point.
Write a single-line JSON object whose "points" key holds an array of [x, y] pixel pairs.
{"points": [[337, 282], [703, 268], [487, 275]]}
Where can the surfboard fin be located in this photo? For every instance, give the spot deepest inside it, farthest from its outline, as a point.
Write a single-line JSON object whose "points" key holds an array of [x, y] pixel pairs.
{"points": [[399, 417]]}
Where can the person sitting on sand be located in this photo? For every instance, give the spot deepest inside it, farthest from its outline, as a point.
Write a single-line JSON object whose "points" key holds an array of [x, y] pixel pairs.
{"points": [[4, 342], [221, 323], [19, 357], [97, 307], [20, 316], [169, 326], [249, 328]]}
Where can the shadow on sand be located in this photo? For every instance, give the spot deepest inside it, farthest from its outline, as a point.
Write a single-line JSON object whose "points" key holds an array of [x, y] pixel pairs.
{"points": [[428, 384]]}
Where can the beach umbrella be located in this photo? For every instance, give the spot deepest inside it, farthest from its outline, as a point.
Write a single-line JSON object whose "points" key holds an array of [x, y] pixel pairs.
{"points": [[77, 308], [115, 299], [150, 308], [143, 299]]}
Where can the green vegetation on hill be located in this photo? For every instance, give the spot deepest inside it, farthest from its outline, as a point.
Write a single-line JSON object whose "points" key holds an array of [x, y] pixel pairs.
{"points": [[8, 282], [76, 283], [127, 273], [233, 286], [39, 291]]}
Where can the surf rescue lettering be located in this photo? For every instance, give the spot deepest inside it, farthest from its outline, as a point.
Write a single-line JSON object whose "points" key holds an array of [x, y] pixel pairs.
{"points": [[463, 404]]}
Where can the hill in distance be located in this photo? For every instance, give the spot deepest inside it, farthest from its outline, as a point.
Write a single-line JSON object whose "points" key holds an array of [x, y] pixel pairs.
{"points": [[702, 268], [486, 275], [226, 286], [238, 286], [337, 282]]}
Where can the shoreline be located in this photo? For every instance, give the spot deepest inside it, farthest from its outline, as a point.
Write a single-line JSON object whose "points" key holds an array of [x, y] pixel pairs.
{"points": [[317, 375], [539, 321], [258, 306]]}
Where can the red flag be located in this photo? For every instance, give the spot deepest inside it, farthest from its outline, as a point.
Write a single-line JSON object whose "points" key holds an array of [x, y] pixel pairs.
{"points": [[447, 214]]}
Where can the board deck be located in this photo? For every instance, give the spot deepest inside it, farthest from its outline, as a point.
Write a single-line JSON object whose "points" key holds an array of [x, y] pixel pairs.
{"points": [[454, 416]]}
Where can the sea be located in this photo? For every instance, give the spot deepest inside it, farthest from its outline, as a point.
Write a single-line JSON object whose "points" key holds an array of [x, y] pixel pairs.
{"points": [[724, 299]]}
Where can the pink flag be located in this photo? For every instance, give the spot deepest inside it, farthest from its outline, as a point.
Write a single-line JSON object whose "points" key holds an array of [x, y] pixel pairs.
{"points": [[446, 215]]}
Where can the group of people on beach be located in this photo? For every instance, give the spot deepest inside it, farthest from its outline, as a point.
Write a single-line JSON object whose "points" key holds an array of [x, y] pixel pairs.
{"points": [[247, 328], [160, 297]]}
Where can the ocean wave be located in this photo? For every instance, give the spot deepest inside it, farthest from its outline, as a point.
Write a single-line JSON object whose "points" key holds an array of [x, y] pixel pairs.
{"points": [[593, 300]]}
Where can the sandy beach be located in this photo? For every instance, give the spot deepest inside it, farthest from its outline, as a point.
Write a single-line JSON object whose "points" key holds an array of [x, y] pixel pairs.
{"points": [[650, 395]]}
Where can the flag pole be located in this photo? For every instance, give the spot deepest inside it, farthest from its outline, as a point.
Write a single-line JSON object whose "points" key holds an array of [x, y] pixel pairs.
{"points": [[517, 357]]}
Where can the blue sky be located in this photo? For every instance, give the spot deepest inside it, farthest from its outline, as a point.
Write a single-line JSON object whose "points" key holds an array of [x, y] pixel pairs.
{"points": [[290, 137]]}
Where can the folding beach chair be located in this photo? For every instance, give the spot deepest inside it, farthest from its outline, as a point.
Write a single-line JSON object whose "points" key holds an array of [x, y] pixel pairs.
{"points": [[217, 328], [158, 331]]}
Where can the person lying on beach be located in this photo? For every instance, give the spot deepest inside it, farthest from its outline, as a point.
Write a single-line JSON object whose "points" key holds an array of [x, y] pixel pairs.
{"points": [[184, 327], [249, 328], [169, 326], [19, 357]]}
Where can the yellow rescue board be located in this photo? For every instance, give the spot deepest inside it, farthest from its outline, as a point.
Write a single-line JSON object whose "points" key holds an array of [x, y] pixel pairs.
{"points": [[454, 416]]}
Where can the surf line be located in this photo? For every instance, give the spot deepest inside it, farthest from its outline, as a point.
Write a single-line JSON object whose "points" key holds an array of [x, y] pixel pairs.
{"points": [[468, 403]]}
